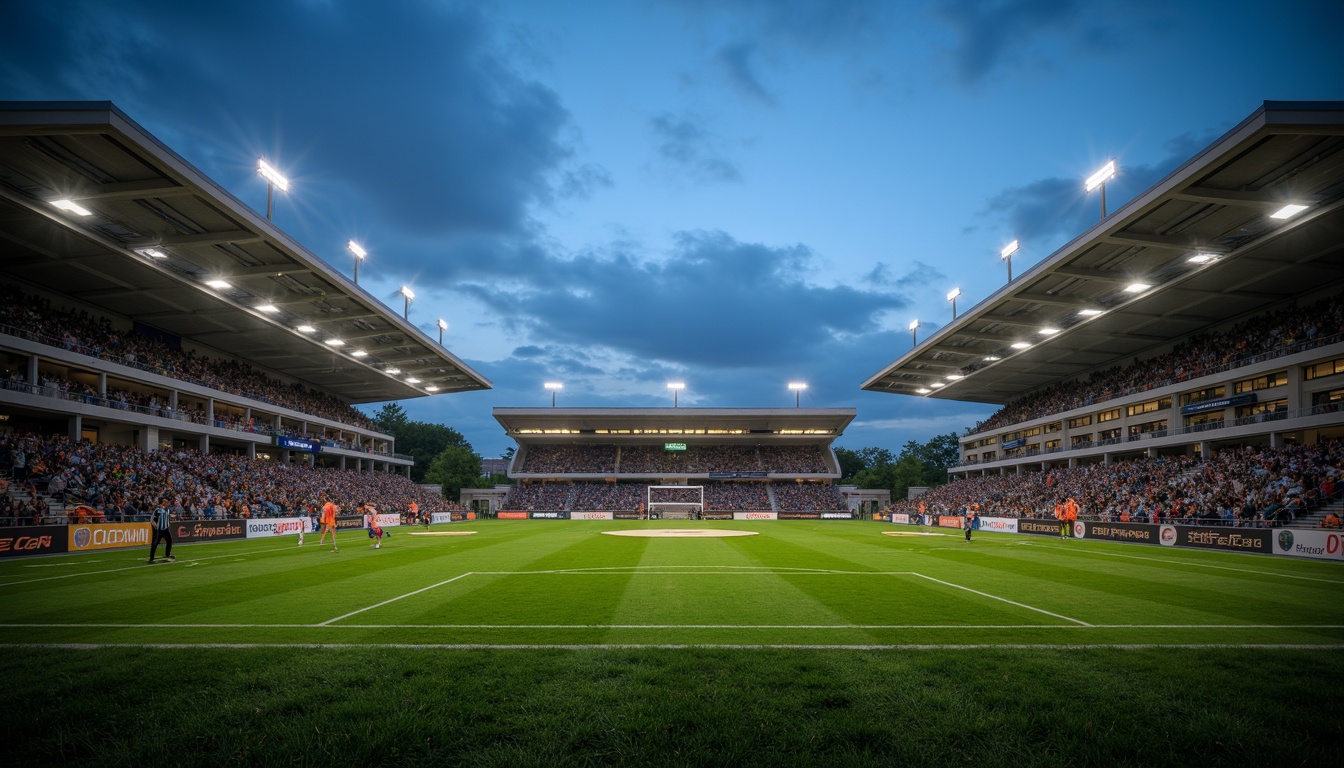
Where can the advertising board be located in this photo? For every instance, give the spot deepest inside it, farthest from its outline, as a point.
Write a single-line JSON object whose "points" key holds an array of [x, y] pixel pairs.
{"points": [[266, 527], [387, 519], [837, 515], [33, 540], [797, 515], [755, 515], [949, 521], [1234, 539], [1323, 545], [512, 515], [207, 530], [560, 515], [441, 517], [1038, 526], [900, 517], [1140, 533], [1001, 524], [108, 536], [592, 515]]}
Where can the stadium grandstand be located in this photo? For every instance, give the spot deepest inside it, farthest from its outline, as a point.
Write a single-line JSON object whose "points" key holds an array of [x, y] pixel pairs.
{"points": [[1183, 359], [160, 338], [706, 463]]}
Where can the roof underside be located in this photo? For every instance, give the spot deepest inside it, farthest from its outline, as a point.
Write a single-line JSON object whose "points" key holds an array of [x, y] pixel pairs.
{"points": [[1217, 203], [615, 425], [143, 195]]}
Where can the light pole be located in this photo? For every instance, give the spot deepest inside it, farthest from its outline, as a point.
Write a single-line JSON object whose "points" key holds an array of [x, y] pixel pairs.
{"points": [[1099, 179], [676, 387], [409, 294], [359, 253], [273, 180], [797, 387], [1007, 255], [952, 297], [553, 386], [443, 326], [914, 331]]}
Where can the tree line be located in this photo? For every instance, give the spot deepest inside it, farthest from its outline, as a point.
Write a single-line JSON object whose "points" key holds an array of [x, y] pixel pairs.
{"points": [[918, 464]]}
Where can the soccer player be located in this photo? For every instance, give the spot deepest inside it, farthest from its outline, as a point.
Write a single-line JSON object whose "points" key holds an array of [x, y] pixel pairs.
{"points": [[328, 521], [160, 525], [375, 530]]}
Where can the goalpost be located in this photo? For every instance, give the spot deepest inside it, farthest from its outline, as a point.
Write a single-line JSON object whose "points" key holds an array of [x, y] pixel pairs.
{"points": [[675, 506]]}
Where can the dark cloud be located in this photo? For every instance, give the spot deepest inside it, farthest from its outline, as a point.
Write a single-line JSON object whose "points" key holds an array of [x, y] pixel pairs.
{"points": [[469, 152], [1057, 209], [684, 143], [711, 301], [737, 61]]}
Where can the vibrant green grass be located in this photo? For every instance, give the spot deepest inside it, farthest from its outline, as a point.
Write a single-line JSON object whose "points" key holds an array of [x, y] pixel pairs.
{"points": [[545, 643]]}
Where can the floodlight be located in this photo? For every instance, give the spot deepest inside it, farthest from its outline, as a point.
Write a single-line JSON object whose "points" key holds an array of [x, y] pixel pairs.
{"points": [[1019, 345], [954, 377], [72, 206], [1089, 312], [676, 387], [914, 325], [218, 285], [936, 384], [443, 326], [268, 308], [1286, 212], [305, 329], [953, 294], [1048, 331], [1008, 250], [153, 253], [797, 387], [923, 390], [356, 249], [993, 359], [359, 353], [1202, 258], [407, 292], [334, 343], [412, 380], [392, 371], [553, 386], [1137, 287], [431, 388], [272, 176], [1102, 176]]}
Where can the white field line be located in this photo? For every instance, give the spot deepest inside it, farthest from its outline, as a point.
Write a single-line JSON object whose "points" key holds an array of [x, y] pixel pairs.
{"points": [[139, 566], [670, 646], [327, 625], [1187, 562], [1004, 599], [393, 600]]}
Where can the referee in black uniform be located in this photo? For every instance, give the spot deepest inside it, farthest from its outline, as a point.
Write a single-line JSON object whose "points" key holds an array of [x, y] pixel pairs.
{"points": [[159, 522]]}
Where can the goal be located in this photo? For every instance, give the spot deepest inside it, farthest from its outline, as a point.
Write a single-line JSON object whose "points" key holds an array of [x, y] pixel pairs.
{"points": [[676, 502]]}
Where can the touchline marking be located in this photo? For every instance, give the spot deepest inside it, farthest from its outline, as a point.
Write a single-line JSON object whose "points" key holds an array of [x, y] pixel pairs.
{"points": [[677, 646], [327, 625], [395, 599], [1198, 565], [1003, 599], [137, 567]]}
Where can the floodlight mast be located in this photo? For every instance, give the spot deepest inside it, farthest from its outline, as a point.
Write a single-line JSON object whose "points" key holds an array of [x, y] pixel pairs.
{"points": [[553, 386], [1007, 255], [676, 387], [273, 180], [359, 253], [1099, 179], [914, 331], [409, 295], [443, 326], [952, 297], [797, 387]]}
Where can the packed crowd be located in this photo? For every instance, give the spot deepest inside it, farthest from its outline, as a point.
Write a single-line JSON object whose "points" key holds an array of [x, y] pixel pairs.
{"points": [[124, 483], [39, 320], [1247, 486], [1261, 338], [652, 459], [738, 496]]}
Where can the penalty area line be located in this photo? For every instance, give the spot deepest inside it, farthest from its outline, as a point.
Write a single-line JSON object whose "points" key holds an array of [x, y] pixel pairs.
{"points": [[393, 600], [1003, 599]]}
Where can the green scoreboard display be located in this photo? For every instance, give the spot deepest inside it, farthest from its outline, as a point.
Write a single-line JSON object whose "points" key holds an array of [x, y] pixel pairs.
{"points": [[674, 446]]}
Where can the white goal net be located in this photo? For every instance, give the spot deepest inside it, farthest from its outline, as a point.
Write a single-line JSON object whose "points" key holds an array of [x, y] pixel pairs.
{"points": [[676, 502]]}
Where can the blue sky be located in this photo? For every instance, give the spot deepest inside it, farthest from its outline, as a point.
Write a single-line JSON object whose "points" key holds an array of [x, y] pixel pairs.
{"points": [[733, 193]]}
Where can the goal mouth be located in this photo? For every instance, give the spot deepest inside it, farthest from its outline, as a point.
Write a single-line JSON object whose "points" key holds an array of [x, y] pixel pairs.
{"points": [[675, 502]]}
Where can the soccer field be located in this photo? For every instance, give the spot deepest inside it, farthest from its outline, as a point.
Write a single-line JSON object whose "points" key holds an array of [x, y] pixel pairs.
{"points": [[567, 584], [550, 643]]}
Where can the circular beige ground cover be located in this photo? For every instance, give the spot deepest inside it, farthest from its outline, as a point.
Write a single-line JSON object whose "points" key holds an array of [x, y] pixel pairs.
{"points": [[680, 533]]}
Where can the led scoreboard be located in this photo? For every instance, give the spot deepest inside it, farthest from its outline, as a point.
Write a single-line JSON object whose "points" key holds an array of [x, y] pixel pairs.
{"points": [[298, 444]]}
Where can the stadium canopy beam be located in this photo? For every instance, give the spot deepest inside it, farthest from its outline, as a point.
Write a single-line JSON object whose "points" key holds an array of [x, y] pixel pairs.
{"points": [[1045, 298], [1224, 197], [134, 190], [1093, 274], [269, 270], [203, 238], [1153, 241]]}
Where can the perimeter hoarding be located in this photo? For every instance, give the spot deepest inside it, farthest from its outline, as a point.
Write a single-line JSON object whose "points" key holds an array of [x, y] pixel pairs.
{"points": [[207, 530], [1322, 545], [33, 540], [267, 527], [592, 515], [83, 538]]}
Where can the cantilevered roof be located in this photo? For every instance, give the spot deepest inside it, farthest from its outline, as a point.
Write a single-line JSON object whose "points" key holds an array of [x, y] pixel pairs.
{"points": [[143, 196], [716, 426], [1216, 206]]}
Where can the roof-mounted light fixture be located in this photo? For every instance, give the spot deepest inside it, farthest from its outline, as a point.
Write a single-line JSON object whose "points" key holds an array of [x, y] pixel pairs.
{"points": [[1137, 287], [443, 326], [797, 387], [1006, 253], [359, 254], [218, 285], [1288, 211], [952, 297], [1099, 179], [676, 387], [553, 387], [409, 295], [914, 330], [273, 180], [72, 207]]}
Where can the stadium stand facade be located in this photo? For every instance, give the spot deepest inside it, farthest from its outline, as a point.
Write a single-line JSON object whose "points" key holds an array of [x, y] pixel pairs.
{"points": [[1188, 346], [145, 311], [699, 462]]}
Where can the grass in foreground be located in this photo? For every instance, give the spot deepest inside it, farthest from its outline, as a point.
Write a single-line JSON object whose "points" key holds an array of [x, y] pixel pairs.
{"points": [[670, 707]]}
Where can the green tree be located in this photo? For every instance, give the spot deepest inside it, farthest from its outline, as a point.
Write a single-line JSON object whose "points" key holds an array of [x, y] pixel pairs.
{"points": [[456, 467], [420, 440], [851, 463], [391, 418]]}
